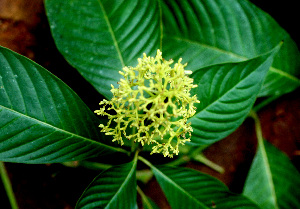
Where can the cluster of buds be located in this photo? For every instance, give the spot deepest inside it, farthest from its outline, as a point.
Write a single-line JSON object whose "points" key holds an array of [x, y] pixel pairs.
{"points": [[151, 105]]}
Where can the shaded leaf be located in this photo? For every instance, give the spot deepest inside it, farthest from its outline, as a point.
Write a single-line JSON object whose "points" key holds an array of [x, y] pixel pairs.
{"points": [[273, 181], [187, 188], [226, 93], [148, 203], [113, 188], [100, 37], [206, 32], [42, 119]]}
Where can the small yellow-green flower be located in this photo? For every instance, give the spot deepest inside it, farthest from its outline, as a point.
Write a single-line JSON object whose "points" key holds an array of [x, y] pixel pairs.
{"points": [[151, 105]]}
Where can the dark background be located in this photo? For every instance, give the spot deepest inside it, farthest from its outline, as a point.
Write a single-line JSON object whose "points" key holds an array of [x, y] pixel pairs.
{"points": [[24, 29]]}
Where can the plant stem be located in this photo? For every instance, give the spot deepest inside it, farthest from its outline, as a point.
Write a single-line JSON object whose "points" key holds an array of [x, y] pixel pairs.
{"points": [[145, 161], [133, 144], [202, 159], [8, 187], [185, 158], [258, 130], [88, 165], [94, 165]]}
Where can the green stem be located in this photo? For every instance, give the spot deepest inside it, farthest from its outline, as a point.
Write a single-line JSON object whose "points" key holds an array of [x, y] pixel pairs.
{"points": [[185, 158], [197, 156], [202, 159], [182, 160], [134, 145], [94, 165], [145, 161], [8, 187], [88, 165], [258, 130]]}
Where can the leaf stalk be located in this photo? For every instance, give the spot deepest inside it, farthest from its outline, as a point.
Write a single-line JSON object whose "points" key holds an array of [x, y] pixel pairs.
{"points": [[8, 187]]}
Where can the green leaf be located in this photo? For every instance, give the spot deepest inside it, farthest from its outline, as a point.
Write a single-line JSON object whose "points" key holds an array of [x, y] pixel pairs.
{"points": [[187, 188], [100, 37], [113, 188], [226, 93], [206, 32], [273, 181], [42, 119], [149, 204]]}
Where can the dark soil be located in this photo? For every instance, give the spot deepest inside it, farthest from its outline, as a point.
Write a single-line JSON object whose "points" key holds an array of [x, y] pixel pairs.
{"points": [[24, 29]]}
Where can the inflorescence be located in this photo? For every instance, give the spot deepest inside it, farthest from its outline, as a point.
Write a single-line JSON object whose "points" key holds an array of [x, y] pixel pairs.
{"points": [[151, 105]]}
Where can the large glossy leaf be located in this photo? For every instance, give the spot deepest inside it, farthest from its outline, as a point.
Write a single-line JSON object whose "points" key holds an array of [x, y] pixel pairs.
{"points": [[42, 119], [99, 37], [273, 181], [186, 188], [206, 32], [226, 93], [113, 188]]}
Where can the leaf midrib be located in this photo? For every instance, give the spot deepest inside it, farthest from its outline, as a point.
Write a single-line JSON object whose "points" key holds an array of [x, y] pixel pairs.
{"points": [[261, 149], [225, 93], [124, 182], [177, 186], [64, 131], [242, 58], [268, 170], [112, 33], [161, 26]]}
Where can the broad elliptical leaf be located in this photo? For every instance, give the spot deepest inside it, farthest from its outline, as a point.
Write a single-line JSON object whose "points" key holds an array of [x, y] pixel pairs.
{"points": [[227, 93], [100, 37], [42, 119], [207, 32]]}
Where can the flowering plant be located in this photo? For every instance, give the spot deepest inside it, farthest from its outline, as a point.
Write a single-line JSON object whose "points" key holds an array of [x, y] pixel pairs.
{"points": [[154, 100], [233, 53]]}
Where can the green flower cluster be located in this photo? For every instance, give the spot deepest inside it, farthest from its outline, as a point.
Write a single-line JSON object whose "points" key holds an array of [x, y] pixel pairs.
{"points": [[151, 105]]}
